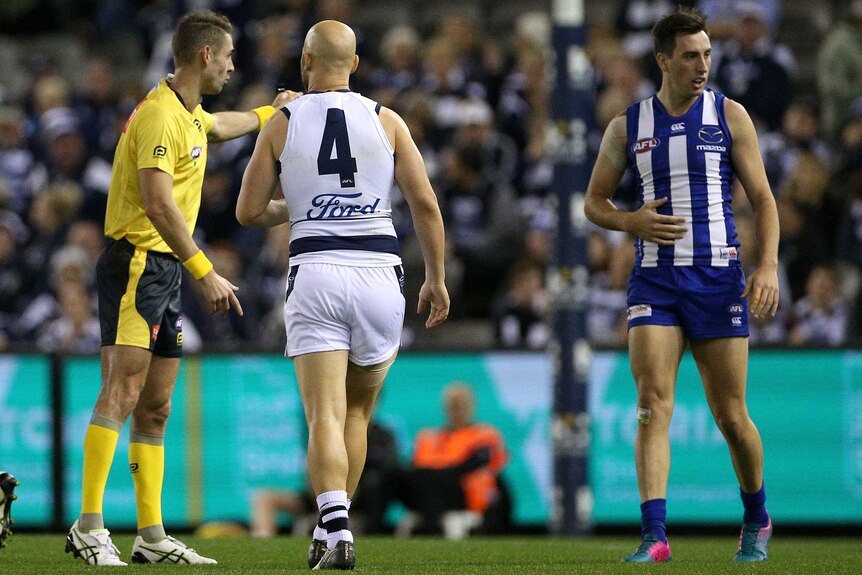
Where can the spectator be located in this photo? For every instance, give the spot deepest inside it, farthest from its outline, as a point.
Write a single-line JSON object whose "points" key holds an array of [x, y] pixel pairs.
{"points": [[68, 160], [839, 70], [454, 483], [754, 70], [68, 265], [799, 134], [13, 279], [76, 329], [400, 49], [50, 214], [820, 317], [483, 224], [520, 314], [20, 170]]}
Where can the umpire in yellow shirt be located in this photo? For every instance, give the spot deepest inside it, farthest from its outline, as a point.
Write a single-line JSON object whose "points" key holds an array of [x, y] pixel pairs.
{"points": [[153, 204]]}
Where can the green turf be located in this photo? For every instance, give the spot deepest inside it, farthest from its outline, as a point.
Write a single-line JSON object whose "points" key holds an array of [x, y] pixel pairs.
{"points": [[43, 554]]}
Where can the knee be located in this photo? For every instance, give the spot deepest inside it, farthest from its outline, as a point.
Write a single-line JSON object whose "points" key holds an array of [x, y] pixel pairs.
{"points": [[654, 406], [732, 425], [153, 416]]}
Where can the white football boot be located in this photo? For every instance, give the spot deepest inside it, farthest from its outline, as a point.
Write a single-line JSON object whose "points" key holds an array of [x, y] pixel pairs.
{"points": [[94, 547], [168, 550]]}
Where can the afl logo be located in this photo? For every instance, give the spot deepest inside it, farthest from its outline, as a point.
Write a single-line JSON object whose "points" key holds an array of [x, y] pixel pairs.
{"points": [[645, 145], [196, 152], [711, 134], [735, 308]]}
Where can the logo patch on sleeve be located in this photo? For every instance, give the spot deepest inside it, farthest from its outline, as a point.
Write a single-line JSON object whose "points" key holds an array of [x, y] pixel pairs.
{"points": [[160, 152], [640, 310]]}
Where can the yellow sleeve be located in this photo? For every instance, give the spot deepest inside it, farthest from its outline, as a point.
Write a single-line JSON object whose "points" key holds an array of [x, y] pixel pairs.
{"points": [[156, 139], [207, 121]]}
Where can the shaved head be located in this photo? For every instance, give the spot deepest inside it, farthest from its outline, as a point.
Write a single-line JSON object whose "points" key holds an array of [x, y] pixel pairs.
{"points": [[332, 44]]}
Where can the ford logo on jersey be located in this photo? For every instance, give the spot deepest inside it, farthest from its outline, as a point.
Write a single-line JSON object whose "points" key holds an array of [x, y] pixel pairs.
{"points": [[330, 206], [645, 145], [711, 134]]}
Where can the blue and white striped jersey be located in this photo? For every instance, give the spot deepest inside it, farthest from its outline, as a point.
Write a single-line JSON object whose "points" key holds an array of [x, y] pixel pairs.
{"points": [[337, 174], [687, 159]]}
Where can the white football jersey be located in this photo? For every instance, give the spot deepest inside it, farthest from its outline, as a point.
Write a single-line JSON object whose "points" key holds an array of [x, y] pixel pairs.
{"points": [[337, 173]]}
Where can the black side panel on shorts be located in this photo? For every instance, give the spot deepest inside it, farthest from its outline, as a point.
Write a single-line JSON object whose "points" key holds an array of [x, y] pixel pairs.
{"points": [[291, 278], [112, 277], [399, 275]]}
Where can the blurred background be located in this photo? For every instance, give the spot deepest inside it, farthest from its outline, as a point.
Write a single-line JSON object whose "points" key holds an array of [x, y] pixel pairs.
{"points": [[473, 79]]}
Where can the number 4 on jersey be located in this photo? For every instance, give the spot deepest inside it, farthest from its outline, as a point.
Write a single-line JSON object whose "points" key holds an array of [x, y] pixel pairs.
{"points": [[335, 135]]}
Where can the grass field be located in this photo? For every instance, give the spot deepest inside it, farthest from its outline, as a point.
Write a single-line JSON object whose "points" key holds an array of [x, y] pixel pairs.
{"points": [[29, 554]]}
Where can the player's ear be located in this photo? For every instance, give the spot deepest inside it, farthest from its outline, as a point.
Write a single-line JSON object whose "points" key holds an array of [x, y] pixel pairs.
{"points": [[355, 63], [205, 54], [661, 60]]}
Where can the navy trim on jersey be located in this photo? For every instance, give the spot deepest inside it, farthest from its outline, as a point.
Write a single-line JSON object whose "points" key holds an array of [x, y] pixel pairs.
{"points": [[325, 91], [286, 112], [385, 244], [377, 108], [278, 167]]}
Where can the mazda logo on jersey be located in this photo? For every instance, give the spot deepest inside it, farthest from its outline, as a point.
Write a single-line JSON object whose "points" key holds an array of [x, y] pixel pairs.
{"points": [[645, 145], [711, 134], [160, 152]]}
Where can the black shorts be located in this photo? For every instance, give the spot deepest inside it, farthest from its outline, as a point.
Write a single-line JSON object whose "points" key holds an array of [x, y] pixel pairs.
{"points": [[139, 299]]}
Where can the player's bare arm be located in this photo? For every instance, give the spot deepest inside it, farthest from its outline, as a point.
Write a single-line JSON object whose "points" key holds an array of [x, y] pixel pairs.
{"points": [[762, 285], [646, 222], [230, 125], [255, 206], [158, 200], [416, 188]]}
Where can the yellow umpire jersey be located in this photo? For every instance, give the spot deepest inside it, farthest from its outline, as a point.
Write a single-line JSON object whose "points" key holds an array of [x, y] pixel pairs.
{"points": [[160, 133]]}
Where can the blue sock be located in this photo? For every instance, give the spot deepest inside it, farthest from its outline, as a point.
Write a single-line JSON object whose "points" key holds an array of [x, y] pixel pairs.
{"points": [[755, 507], [653, 514]]}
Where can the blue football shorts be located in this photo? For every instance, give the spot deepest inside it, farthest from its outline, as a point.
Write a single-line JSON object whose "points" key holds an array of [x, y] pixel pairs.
{"points": [[705, 301]]}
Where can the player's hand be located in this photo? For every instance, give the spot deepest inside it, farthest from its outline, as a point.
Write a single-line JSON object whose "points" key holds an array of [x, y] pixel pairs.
{"points": [[219, 294], [761, 288], [651, 226], [284, 97], [435, 295]]}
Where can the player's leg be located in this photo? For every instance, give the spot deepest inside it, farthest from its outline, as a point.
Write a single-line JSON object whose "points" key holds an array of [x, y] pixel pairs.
{"points": [[124, 372], [321, 377], [147, 465], [654, 352], [147, 445], [363, 386], [723, 366]]}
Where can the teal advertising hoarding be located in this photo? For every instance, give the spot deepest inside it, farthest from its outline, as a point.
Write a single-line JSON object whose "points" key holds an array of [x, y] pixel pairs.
{"points": [[807, 406], [26, 432], [237, 424]]}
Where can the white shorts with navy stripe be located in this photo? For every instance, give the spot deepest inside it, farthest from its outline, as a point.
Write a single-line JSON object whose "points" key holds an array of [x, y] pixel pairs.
{"points": [[330, 307]]}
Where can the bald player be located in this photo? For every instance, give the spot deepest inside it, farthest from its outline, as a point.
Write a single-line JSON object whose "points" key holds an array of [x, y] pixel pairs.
{"points": [[336, 155]]}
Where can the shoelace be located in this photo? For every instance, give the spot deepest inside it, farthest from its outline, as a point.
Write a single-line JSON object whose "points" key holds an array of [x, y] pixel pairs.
{"points": [[748, 541], [106, 547], [181, 545]]}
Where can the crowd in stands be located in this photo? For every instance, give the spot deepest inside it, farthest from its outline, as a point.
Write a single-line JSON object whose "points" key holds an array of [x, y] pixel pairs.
{"points": [[478, 107]]}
